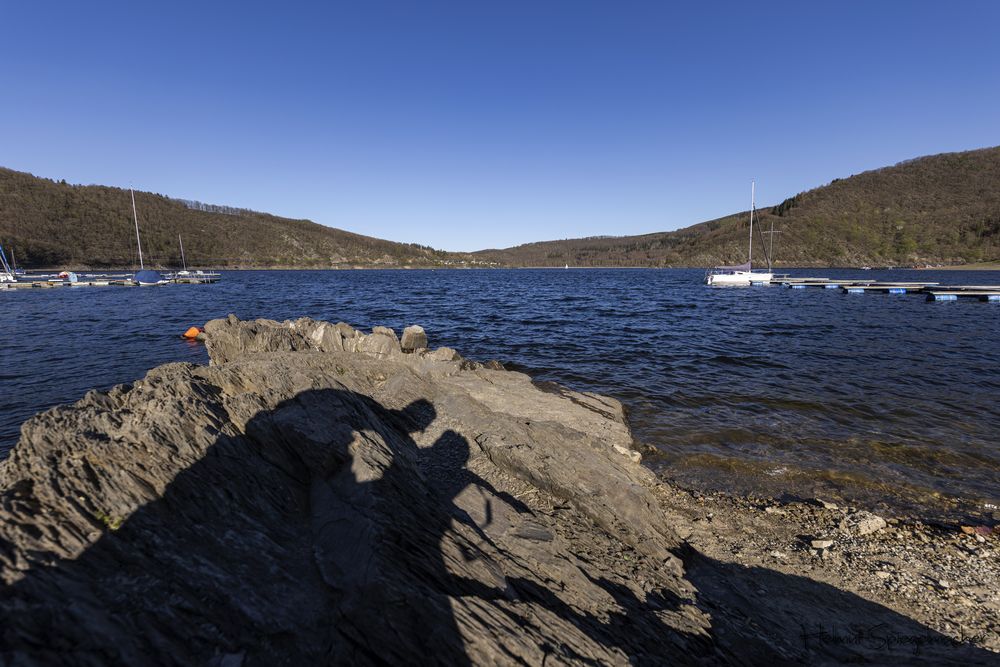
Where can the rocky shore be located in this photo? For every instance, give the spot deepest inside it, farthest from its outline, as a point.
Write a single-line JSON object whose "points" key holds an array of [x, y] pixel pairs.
{"points": [[317, 495]]}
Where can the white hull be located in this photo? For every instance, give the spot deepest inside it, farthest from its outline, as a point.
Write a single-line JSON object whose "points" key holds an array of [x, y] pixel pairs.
{"points": [[738, 278]]}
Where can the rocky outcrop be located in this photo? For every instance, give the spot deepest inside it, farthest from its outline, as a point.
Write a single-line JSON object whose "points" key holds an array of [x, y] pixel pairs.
{"points": [[321, 496]]}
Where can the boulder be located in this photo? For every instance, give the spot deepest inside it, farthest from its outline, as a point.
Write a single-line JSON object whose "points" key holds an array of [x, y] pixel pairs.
{"points": [[414, 338], [862, 523], [382, 343]]}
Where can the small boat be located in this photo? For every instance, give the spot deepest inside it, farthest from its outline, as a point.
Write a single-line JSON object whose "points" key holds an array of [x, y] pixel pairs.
{"points": [[13, 266], [743, 274], [6, 273], [187, 276], [566, 267], [143, 276], [184, 271], [147, 277]]}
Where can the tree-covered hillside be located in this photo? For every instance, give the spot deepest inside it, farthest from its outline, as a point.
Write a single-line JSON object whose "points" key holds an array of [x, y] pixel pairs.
{"points": [[941, 209], [937, 209], [51, 224]]}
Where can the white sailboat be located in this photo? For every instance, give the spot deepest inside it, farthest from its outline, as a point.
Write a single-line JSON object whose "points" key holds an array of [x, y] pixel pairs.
{"points": [[143, 276], [186, 275], [742, 274], [184, 271], [6, 272]]}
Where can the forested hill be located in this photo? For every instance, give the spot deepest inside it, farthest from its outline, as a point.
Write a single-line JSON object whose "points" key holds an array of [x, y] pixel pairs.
{"points": [[52, 224], [940, 209], [937, 209]]}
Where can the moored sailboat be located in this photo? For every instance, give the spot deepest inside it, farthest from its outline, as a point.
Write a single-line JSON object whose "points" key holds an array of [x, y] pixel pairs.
{"points": [[143, 276], [742, 274], [6, 272], [184, 270]]}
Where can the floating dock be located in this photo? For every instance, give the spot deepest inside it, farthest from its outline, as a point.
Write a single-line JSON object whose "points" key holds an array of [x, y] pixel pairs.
{"points": [[948, 293], [47, 281], [192, 278], [814, 282], [889, 288], [934, 291]]}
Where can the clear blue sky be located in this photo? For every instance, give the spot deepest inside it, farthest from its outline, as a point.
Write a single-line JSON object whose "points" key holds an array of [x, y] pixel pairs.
{"points": [[467, 125]]}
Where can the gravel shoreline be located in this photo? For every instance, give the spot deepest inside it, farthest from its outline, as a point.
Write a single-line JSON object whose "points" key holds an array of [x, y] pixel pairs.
{"points": [[945, 577]]}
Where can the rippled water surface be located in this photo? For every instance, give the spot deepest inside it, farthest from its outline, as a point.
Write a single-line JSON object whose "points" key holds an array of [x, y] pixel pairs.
{"points": [[887, 399]]}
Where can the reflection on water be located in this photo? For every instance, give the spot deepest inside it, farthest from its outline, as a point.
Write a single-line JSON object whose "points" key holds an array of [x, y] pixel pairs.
{"points": [[885, 398]]}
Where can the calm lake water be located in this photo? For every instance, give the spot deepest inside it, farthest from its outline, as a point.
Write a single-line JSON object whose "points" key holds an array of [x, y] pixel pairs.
{"points": [[881, 399]]}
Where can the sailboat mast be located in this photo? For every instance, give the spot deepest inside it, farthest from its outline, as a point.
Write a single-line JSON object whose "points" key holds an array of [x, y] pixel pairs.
{"points": [[135, 216], [770, 252], [3, 262], [753, 184], [183, 261]]}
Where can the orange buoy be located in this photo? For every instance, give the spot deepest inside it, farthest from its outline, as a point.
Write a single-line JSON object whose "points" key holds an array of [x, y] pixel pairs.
{"points": [[192, 332]]}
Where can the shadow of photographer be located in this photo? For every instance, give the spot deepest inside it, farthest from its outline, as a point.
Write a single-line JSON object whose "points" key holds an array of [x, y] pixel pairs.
{"points": [[324, 534]]}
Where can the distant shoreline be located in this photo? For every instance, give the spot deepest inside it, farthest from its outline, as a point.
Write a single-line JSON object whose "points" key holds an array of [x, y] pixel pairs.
{"points": [[979, 266]]}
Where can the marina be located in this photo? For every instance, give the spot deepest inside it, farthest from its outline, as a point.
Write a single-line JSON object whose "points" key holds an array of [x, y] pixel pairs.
{"points": [[11, 278], [49, 281]]}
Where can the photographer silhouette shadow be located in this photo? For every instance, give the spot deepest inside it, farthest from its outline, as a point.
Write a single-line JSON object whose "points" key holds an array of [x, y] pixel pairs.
{"points": [[323, 533]]}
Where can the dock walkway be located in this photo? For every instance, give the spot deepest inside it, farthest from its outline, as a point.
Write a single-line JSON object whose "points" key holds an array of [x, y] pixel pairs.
{"points": [[934, 291], [49, 281]]}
